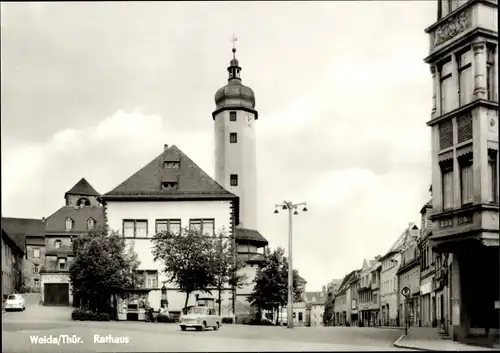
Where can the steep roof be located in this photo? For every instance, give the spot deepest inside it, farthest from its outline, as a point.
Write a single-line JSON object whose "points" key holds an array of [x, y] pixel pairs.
{"points": [[64, 250], [404, 238], [83, 187], [250, 236], [315, 297], [18, 229], [192, 181], [80, 215]]}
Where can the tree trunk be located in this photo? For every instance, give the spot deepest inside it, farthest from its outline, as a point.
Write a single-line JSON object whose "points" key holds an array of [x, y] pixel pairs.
{"points": [[220, 300]]}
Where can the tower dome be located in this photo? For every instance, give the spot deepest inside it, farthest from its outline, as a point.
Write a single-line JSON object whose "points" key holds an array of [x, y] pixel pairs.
{"points": [[234, 94]]}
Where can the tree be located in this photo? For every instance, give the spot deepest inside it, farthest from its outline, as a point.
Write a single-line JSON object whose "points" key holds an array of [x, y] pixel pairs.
{"points": [[102, 267], [187, 260], [271, 283], [225, 267]]}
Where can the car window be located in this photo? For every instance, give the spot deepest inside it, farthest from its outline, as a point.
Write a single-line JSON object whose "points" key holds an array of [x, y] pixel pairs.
{"points": [[11, 297]]}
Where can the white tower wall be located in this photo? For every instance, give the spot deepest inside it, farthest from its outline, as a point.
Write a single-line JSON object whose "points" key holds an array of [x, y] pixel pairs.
{"points": [[238, 158]]}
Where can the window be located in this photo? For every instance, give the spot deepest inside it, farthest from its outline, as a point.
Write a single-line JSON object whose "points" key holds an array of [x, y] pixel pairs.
{"points": [[447, 91], [167, 185], [493, 175], [490, 74], [83, 202], [135, 228], [62, 264], [36, 283], [69, 224], [466, 180], [168, 225], [90, 223], [36, 253], [300, 316], [151, 279], [465, 77], [464, 127], [203, 226], [232, 116], [233, 137], [36, 268], [171, 165], [447, 184], [234, 180], [57, 244]]}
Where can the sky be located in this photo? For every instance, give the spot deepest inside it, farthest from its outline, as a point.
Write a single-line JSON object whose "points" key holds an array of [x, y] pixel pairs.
{"points": [[96, 89]]}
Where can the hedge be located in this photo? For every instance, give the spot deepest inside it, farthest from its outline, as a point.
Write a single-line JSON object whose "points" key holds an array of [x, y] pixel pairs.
{"points": [[87, 315]]}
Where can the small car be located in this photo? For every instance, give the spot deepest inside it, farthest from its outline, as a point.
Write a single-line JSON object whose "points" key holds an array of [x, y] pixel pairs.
{"points": [[15, 302], [200, 318]]}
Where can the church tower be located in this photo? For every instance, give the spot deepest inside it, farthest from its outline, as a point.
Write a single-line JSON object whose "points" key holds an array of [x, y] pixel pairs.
{"points": [[235, 165]]}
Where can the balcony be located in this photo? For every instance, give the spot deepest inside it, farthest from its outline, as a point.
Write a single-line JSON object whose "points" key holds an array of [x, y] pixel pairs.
{"points": [[475, 15]]}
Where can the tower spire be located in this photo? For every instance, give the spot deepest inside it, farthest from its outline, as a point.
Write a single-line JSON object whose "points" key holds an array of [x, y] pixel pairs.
{"points": [[234, 67]]}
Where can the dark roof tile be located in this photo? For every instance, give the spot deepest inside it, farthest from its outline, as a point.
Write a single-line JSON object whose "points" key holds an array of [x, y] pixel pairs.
{"points": [[17, 229], [193, 182], [83, 187], [251, 236], [315, 297], [57, 221]]}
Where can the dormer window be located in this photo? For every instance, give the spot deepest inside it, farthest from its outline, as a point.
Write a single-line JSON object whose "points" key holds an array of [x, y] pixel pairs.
{"points": [[69, 224], [167, 185], [90, 223], [171, 165]]}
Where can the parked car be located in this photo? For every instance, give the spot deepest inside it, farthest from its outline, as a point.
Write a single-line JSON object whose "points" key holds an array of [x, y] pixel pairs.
{"points": [[200, 318], [15, 302]]}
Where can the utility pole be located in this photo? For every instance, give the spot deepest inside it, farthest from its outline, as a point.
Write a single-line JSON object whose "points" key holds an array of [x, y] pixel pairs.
{"points": [[292, 210]]}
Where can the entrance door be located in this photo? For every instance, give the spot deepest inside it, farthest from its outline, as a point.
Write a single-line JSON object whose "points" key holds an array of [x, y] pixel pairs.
{"points": [[56, 294]]}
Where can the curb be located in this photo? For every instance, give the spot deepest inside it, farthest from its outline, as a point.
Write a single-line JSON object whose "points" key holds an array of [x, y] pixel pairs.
{"points": [[399, 345]]}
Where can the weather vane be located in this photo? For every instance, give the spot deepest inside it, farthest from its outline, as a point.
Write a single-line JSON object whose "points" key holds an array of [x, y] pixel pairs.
{"points": [[234, 40]]}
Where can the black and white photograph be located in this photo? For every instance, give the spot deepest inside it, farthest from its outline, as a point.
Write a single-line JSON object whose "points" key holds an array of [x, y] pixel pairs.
{"points": [[250, 176]]}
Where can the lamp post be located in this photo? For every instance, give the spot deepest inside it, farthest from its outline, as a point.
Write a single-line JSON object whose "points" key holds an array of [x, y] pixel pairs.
{"points": [[164, 300], [292, 210]]}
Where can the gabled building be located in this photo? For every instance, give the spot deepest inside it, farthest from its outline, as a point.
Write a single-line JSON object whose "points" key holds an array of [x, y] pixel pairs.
{"points": [[409, 277], [463, 60], [13, 250], [427, 270], [368, 302], [30, 235], [81, 213], [332, 289], [315, 304], [389, 282], [353, 298], [342, 304]]}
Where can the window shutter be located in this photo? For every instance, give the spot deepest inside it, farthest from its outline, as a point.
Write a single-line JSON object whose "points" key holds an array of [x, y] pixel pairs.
{"points": [[445, 134], [464, 127]]}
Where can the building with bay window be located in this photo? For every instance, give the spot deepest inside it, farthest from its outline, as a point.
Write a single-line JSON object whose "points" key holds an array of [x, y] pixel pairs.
{"points": [[463, 60]]}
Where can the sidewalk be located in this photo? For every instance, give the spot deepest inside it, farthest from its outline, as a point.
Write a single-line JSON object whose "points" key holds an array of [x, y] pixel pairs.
{"points": [[429, 339]]}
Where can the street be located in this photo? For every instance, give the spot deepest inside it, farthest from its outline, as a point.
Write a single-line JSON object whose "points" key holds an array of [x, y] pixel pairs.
{"points": [[21, 329]]}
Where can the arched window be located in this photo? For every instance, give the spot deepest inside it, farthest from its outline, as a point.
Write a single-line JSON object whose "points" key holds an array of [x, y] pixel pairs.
{"points": [[69, 223], [90, 223], [83, 202], [57, 244]]}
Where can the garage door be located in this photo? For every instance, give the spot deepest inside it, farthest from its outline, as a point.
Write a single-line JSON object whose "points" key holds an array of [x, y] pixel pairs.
{"points": [[56, 294]]}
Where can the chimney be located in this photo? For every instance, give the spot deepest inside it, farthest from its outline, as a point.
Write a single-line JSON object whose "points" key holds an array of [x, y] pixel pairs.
{"points": [[43, 219], [165, 147]]}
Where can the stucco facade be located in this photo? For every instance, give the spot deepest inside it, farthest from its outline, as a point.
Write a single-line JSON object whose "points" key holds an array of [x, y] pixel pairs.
{"points": [[389, 298], [12, 257]]}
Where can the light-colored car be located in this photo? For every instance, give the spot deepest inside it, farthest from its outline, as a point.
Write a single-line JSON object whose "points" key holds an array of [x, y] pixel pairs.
{"points": [[15, 302], [200, 318]]}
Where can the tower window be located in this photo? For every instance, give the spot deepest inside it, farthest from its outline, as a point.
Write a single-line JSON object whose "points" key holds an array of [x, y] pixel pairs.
{"points": [[36, 253], [90, 223], [233, 137], [168, 185], [57, 244], [83, 202], [234, 180], [232, 116]]}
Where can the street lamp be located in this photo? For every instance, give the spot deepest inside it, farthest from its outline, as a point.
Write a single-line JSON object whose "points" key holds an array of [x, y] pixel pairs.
{"points": [[292, 208], [164, 300]]}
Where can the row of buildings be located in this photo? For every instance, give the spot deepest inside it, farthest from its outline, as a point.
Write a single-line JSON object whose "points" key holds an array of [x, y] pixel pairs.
{"points": [[451, 265]]}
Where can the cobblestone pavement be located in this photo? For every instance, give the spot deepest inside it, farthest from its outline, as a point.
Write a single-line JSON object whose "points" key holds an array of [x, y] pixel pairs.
{"points": [[20, 329]]}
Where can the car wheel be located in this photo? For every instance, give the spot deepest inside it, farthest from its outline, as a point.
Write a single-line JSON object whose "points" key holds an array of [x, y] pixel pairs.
{"points": [[183, 328], [204, 325], [216, 327], [198, 328]]}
